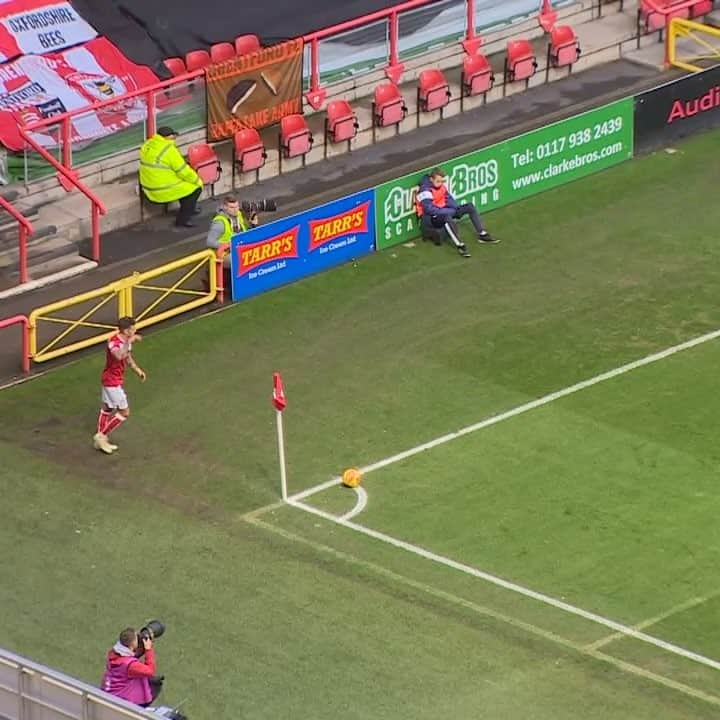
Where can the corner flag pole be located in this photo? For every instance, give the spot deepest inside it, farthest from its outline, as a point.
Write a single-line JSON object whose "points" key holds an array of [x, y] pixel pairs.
{"points": [[280, 404]]}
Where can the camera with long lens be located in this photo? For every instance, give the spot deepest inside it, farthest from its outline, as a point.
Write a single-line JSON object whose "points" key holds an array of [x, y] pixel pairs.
{"points": [[153, 630], [256, 206]]}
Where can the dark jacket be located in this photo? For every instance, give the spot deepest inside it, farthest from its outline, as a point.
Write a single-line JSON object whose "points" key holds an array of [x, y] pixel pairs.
{"points": [[434, 201]]}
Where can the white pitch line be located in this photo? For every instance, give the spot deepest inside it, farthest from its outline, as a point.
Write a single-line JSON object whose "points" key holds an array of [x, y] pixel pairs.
{"points": [[518, 410], [545, 400], [506, 584], [360, 504]]}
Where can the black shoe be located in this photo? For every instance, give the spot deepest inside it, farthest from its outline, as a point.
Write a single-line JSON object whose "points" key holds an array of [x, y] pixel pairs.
{"points": [[187, 223], [463, 251], [486, 238]]}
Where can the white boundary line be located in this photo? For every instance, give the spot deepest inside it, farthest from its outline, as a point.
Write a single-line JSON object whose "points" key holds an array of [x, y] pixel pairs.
{"points": [[360, 503], [482, 610], [625, 630], [518, 410]]}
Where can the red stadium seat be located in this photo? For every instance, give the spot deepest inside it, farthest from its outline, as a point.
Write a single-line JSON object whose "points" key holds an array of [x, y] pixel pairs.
{"points": [[176, 66], [197, 59], [203, 159], [655, 20], [520, 62], [341, 121], [221, 52], [295, 136], [433, 90], [477, 75], [388, 105], [701, 8], [249, 151], [245, 44], [564, 46]]}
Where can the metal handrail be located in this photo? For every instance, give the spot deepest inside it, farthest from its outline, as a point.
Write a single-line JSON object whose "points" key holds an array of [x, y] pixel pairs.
{"points": [[25, 323], [69, 179], [25, 232]]}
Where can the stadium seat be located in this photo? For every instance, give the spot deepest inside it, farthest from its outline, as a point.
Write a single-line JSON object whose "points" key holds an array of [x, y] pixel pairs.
{"points": [[221, 52], [248, 151], [175, 65], [654, 20], [341, 123], [477, 75], [388, 105], [197, 59], [520, 62], [703, 7], [295, 136], [564, 46], [203, 159], [245, 44], [433, 90]]}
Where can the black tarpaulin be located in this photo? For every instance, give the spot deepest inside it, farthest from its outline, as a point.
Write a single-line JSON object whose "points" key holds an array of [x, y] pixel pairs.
{"points": [[148, 31]]}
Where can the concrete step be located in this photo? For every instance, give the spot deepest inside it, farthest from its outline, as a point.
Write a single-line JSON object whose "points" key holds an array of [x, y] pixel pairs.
{"points": [[45, 242]]}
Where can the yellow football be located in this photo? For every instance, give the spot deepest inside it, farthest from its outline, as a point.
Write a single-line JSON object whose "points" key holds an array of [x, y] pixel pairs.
{"points": [[351, 478]]}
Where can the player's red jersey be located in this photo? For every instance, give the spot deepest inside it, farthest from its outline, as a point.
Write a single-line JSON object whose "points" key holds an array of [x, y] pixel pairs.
{"points": [[114, 373]]}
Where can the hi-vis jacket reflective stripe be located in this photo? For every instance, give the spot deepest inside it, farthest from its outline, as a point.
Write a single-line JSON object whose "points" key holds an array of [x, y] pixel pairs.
{"points": [[227, 226], [164, 174]]}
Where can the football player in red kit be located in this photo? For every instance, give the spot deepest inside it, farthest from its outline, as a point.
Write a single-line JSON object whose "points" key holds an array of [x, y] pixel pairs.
{"points": [[115, 410]]}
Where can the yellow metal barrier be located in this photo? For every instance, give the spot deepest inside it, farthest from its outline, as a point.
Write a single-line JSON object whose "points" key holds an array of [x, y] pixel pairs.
{"points": [[694, 36], [106, 304]]}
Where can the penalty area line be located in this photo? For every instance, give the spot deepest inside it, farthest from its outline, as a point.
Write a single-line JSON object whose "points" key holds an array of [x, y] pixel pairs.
{"points": [[625, 630]]}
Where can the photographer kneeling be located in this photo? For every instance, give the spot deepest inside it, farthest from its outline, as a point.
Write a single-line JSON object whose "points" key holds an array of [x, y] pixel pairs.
{"points": [[126, 675], [228, 221]]}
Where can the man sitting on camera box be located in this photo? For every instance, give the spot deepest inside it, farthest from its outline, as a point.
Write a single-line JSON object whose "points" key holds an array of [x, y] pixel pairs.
{"points": [[126, 675], [228, 221]]}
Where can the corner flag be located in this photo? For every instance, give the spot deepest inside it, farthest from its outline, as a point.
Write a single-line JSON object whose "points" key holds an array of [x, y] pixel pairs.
{"points": [[278, 397]]}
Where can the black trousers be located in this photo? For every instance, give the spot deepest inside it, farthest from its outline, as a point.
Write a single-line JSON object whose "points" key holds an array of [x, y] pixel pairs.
{"points": [[187, 207], [437, 222], [471, 211]]}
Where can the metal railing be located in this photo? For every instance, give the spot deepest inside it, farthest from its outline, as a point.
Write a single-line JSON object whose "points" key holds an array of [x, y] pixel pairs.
{"points": [[25, 339], [69, 179], [83, 320], [31, 691], [25, 231], [669, 11]]}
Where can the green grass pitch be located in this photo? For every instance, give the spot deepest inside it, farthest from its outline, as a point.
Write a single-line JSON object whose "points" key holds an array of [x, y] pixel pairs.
{"points": [[605, 499]]}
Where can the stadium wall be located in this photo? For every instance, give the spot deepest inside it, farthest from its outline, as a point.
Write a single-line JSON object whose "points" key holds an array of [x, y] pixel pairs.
{"points": [[350, 227]]}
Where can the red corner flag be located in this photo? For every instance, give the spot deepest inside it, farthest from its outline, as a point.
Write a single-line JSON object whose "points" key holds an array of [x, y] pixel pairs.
{"points": [[279, 400]]}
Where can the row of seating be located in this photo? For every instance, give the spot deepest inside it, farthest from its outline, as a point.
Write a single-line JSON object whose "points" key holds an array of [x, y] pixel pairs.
{"points": [[388, 109], [654, 20], [199, 59]]}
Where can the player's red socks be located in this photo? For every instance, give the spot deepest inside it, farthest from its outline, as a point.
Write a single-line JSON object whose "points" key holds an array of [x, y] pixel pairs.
{"points": [[103, 419], [113, 422]]}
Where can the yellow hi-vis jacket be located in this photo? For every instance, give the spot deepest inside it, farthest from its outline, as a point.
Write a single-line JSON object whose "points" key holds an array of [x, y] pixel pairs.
{"points": [[164, 174], [227, 226]]}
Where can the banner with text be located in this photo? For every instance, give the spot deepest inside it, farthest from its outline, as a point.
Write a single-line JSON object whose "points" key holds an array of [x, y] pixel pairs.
{"points": [[255, 90], [37, 87], [303, 244], [676, 109], [34, 27], [516, 168]]}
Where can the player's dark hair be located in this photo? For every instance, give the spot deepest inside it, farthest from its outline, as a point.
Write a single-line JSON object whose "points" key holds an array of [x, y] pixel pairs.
{"points": [[126, 322], [229, 199], [437, 172]]}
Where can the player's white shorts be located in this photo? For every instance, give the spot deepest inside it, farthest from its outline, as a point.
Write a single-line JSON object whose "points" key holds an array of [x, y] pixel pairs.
{"points": [[114, 397]]}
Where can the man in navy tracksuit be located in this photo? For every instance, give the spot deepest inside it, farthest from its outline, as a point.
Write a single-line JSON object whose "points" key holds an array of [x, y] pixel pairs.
{"points": [[437, 210]]}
